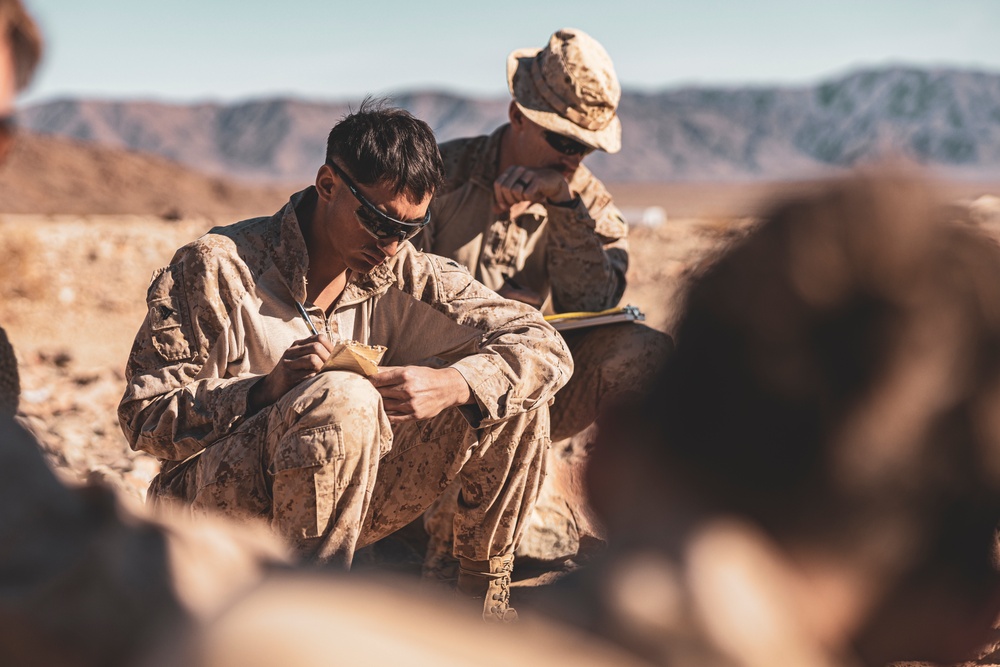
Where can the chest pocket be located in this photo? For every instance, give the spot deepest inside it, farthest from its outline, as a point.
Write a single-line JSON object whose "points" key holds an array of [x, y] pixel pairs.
{"points": [[168, 325]]}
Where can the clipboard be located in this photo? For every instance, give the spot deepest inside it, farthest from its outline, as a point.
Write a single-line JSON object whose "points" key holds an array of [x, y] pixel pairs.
{"points": [[582, 320]]}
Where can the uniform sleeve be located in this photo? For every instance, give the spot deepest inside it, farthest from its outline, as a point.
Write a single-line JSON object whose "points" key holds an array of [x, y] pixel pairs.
{"points": [[519, 362], [512, 359], [177, 400], [587, 252]]}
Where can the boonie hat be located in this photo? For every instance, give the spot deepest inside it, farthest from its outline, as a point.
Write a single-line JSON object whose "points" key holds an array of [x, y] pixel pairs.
{"points": [[569, 87]]}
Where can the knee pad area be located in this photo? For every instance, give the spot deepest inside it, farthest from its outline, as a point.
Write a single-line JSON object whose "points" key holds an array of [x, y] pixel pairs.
{"points": [[330, 397]]}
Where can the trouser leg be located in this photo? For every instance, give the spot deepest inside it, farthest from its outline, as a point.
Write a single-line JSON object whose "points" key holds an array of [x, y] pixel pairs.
{"points": [[610, 362], [308, 464], [324, 465], [497, 468]]}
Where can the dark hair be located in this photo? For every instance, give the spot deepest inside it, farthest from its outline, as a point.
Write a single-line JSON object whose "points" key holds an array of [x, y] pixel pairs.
{"points": [[383, 144], [23, 39]]}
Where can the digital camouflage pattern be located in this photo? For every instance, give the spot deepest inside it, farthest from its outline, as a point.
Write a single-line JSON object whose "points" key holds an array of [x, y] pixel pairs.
{"points": [[576, 255], [322, 464], [569, 87]]}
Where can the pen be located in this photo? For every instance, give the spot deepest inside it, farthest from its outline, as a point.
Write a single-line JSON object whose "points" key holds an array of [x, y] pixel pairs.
{"points": [[305, 316]]}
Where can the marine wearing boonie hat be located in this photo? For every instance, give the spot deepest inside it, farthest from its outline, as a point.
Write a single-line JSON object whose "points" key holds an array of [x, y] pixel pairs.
{"points": [[569, 87]]}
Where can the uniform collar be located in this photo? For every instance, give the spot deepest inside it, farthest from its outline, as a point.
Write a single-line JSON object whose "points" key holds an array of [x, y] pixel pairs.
{"points": [[291, 256], [486, 167]]}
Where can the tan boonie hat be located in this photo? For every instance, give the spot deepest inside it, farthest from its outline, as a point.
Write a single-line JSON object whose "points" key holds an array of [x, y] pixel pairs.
{"points": [[569, 87]]}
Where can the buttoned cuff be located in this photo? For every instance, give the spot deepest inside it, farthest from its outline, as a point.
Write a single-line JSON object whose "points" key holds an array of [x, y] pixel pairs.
{"points": [[489, 386], [573, 212]]}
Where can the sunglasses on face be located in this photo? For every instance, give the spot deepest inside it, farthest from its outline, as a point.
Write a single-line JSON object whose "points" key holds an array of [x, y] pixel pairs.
{"points": [[375, 222], [565, 145]]}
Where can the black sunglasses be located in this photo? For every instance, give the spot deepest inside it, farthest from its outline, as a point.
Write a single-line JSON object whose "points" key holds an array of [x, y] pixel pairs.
{"points": [[565, 145], [377, 223]]}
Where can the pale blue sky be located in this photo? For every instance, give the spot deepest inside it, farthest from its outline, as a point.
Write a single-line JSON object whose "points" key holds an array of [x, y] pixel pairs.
{"points": [[188, 50]]}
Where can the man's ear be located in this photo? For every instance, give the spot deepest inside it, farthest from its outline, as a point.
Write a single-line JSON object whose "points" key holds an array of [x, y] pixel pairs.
{"points": [[515, 114], [324, 182]]}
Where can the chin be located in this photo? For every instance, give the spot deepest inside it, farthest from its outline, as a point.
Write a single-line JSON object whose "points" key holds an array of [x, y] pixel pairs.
{"points": [[365, 265]]}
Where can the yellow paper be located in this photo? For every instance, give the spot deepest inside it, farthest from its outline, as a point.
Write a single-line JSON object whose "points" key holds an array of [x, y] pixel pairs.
{"points": [[350, 355]]}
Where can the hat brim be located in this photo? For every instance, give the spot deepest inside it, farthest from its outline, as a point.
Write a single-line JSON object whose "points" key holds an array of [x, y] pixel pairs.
{"points": [[536, 109]]}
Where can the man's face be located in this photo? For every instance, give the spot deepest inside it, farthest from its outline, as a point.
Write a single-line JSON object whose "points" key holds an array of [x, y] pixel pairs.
{"points": [[534, 151], [343, 232]]}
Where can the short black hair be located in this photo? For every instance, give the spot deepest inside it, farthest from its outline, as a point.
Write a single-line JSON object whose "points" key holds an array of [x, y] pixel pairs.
{"points": [[379, 143]]}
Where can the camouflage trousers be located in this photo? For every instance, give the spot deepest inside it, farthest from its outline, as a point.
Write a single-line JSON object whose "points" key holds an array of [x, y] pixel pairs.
{"points": [[325, 467], [611, 364]]}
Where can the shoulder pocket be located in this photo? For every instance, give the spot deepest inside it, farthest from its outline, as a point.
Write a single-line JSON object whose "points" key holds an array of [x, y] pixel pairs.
{"points": [[168, 322]]}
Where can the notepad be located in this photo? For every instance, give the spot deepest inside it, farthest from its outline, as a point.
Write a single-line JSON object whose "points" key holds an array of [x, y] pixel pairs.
{"points": [[350, 355]]}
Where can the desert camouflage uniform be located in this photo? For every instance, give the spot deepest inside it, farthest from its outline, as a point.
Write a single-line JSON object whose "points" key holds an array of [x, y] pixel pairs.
{"points": [[322, 463], [574, 256]]}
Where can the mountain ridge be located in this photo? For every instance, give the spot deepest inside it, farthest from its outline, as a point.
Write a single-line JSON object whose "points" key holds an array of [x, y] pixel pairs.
{"points": [[945, 118]]}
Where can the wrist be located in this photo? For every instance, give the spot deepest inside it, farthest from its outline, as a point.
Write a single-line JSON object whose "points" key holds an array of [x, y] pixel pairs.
{"points": [[462, 391]]}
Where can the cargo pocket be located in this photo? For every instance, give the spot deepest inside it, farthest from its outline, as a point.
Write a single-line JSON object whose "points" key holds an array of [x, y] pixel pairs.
{"points": [[173, 486], [306, 483]]}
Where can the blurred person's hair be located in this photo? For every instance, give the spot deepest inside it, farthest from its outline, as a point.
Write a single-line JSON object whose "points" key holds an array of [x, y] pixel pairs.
{"points": [[837, 377], [23, 39], [383, 144]]}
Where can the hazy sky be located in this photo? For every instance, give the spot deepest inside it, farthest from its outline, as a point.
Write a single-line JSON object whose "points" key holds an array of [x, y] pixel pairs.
{"points": [[331, 49]]}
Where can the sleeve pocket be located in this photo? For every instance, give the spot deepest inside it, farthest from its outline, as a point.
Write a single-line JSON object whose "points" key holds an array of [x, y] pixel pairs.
{"points": [[167, 321]]}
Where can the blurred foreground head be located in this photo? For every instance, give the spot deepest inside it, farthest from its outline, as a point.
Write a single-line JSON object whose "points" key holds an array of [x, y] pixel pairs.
{"points": [[20, 52], [836, 384], [23, 42]]}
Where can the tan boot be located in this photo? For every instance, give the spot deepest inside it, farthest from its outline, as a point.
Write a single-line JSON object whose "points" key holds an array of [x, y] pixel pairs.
{"points": [[489, 581]]}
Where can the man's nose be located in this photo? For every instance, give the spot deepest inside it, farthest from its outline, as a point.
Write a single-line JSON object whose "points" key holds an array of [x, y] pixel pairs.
{"points": [[389, 245], [571, 161]]}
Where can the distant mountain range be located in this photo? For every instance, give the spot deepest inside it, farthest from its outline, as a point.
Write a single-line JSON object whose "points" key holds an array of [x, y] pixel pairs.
{"points": [[947, 119]]}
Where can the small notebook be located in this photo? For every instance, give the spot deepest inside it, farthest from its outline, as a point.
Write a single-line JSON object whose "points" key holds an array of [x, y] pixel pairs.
{"points": [[350, 355], [581, 320]]}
